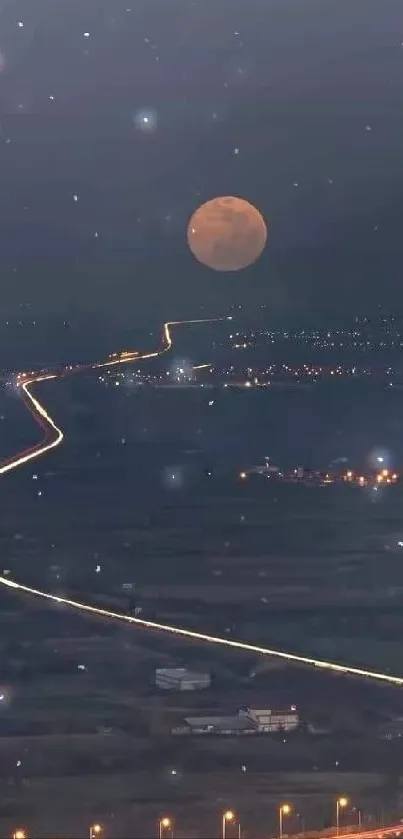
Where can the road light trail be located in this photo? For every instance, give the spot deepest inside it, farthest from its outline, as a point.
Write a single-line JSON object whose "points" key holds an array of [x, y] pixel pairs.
{"points": [[202, 636], [44, 420], [371, 833], [54, 436]]}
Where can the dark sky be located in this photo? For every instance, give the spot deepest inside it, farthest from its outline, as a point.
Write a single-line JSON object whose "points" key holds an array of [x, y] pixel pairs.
{"points": [[310, 92]]}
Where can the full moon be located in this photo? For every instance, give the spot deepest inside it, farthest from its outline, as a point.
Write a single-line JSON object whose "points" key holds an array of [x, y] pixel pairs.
{"points": [[227, 233]]}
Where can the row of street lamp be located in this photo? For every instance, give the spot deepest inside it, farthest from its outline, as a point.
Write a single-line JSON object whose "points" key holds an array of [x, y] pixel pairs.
{"points": [[165, 824], [283, 810]]}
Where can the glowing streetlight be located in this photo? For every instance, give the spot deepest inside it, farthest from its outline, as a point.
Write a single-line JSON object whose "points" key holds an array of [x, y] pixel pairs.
{"points": [[283, 810], [341, 803], [95, 831], [19, 834], [165, 824], [228, 816]]}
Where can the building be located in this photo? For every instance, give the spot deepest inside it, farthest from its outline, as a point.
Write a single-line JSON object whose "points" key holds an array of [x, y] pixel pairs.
{"points": [[235, 724], [267, 720], [246, 721], [180, 678]]}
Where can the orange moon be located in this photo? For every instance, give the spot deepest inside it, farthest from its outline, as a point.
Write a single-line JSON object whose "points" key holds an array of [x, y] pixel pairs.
{"points": [[227, 233]]}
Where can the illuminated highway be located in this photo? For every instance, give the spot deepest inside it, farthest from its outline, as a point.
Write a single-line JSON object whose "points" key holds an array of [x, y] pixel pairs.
{"points": [[378, 833], [54, 436], [202, 636]]}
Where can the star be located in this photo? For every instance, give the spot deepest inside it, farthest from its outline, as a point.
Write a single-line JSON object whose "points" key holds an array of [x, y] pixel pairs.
{"points": [[145, 120]]}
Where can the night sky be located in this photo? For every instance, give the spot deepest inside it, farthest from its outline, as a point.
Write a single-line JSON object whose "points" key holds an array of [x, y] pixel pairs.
{"points": [[119, 117]]}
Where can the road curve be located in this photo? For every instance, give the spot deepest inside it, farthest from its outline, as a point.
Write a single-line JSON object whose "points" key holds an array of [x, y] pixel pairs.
{"points": [[54, 436], [379, 833]]}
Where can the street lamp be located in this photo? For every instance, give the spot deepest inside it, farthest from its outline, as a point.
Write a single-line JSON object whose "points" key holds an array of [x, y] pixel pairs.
{"points": [[165, 824], [283, 810], [19, 834], [228, 816], [95, 831], [340, 804]]}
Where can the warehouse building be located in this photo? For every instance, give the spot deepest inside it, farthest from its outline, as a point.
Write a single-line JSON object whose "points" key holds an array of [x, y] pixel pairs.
{"points": [[246, 721], [234, 724], [180, 678], [267, 721]]}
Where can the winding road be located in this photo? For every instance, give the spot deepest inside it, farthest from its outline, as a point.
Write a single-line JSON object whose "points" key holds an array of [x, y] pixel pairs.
{"points": [[53, 437]]}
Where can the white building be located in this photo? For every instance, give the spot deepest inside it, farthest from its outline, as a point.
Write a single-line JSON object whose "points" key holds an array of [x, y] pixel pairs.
{"points": [[180, 678], [267, 720]]}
